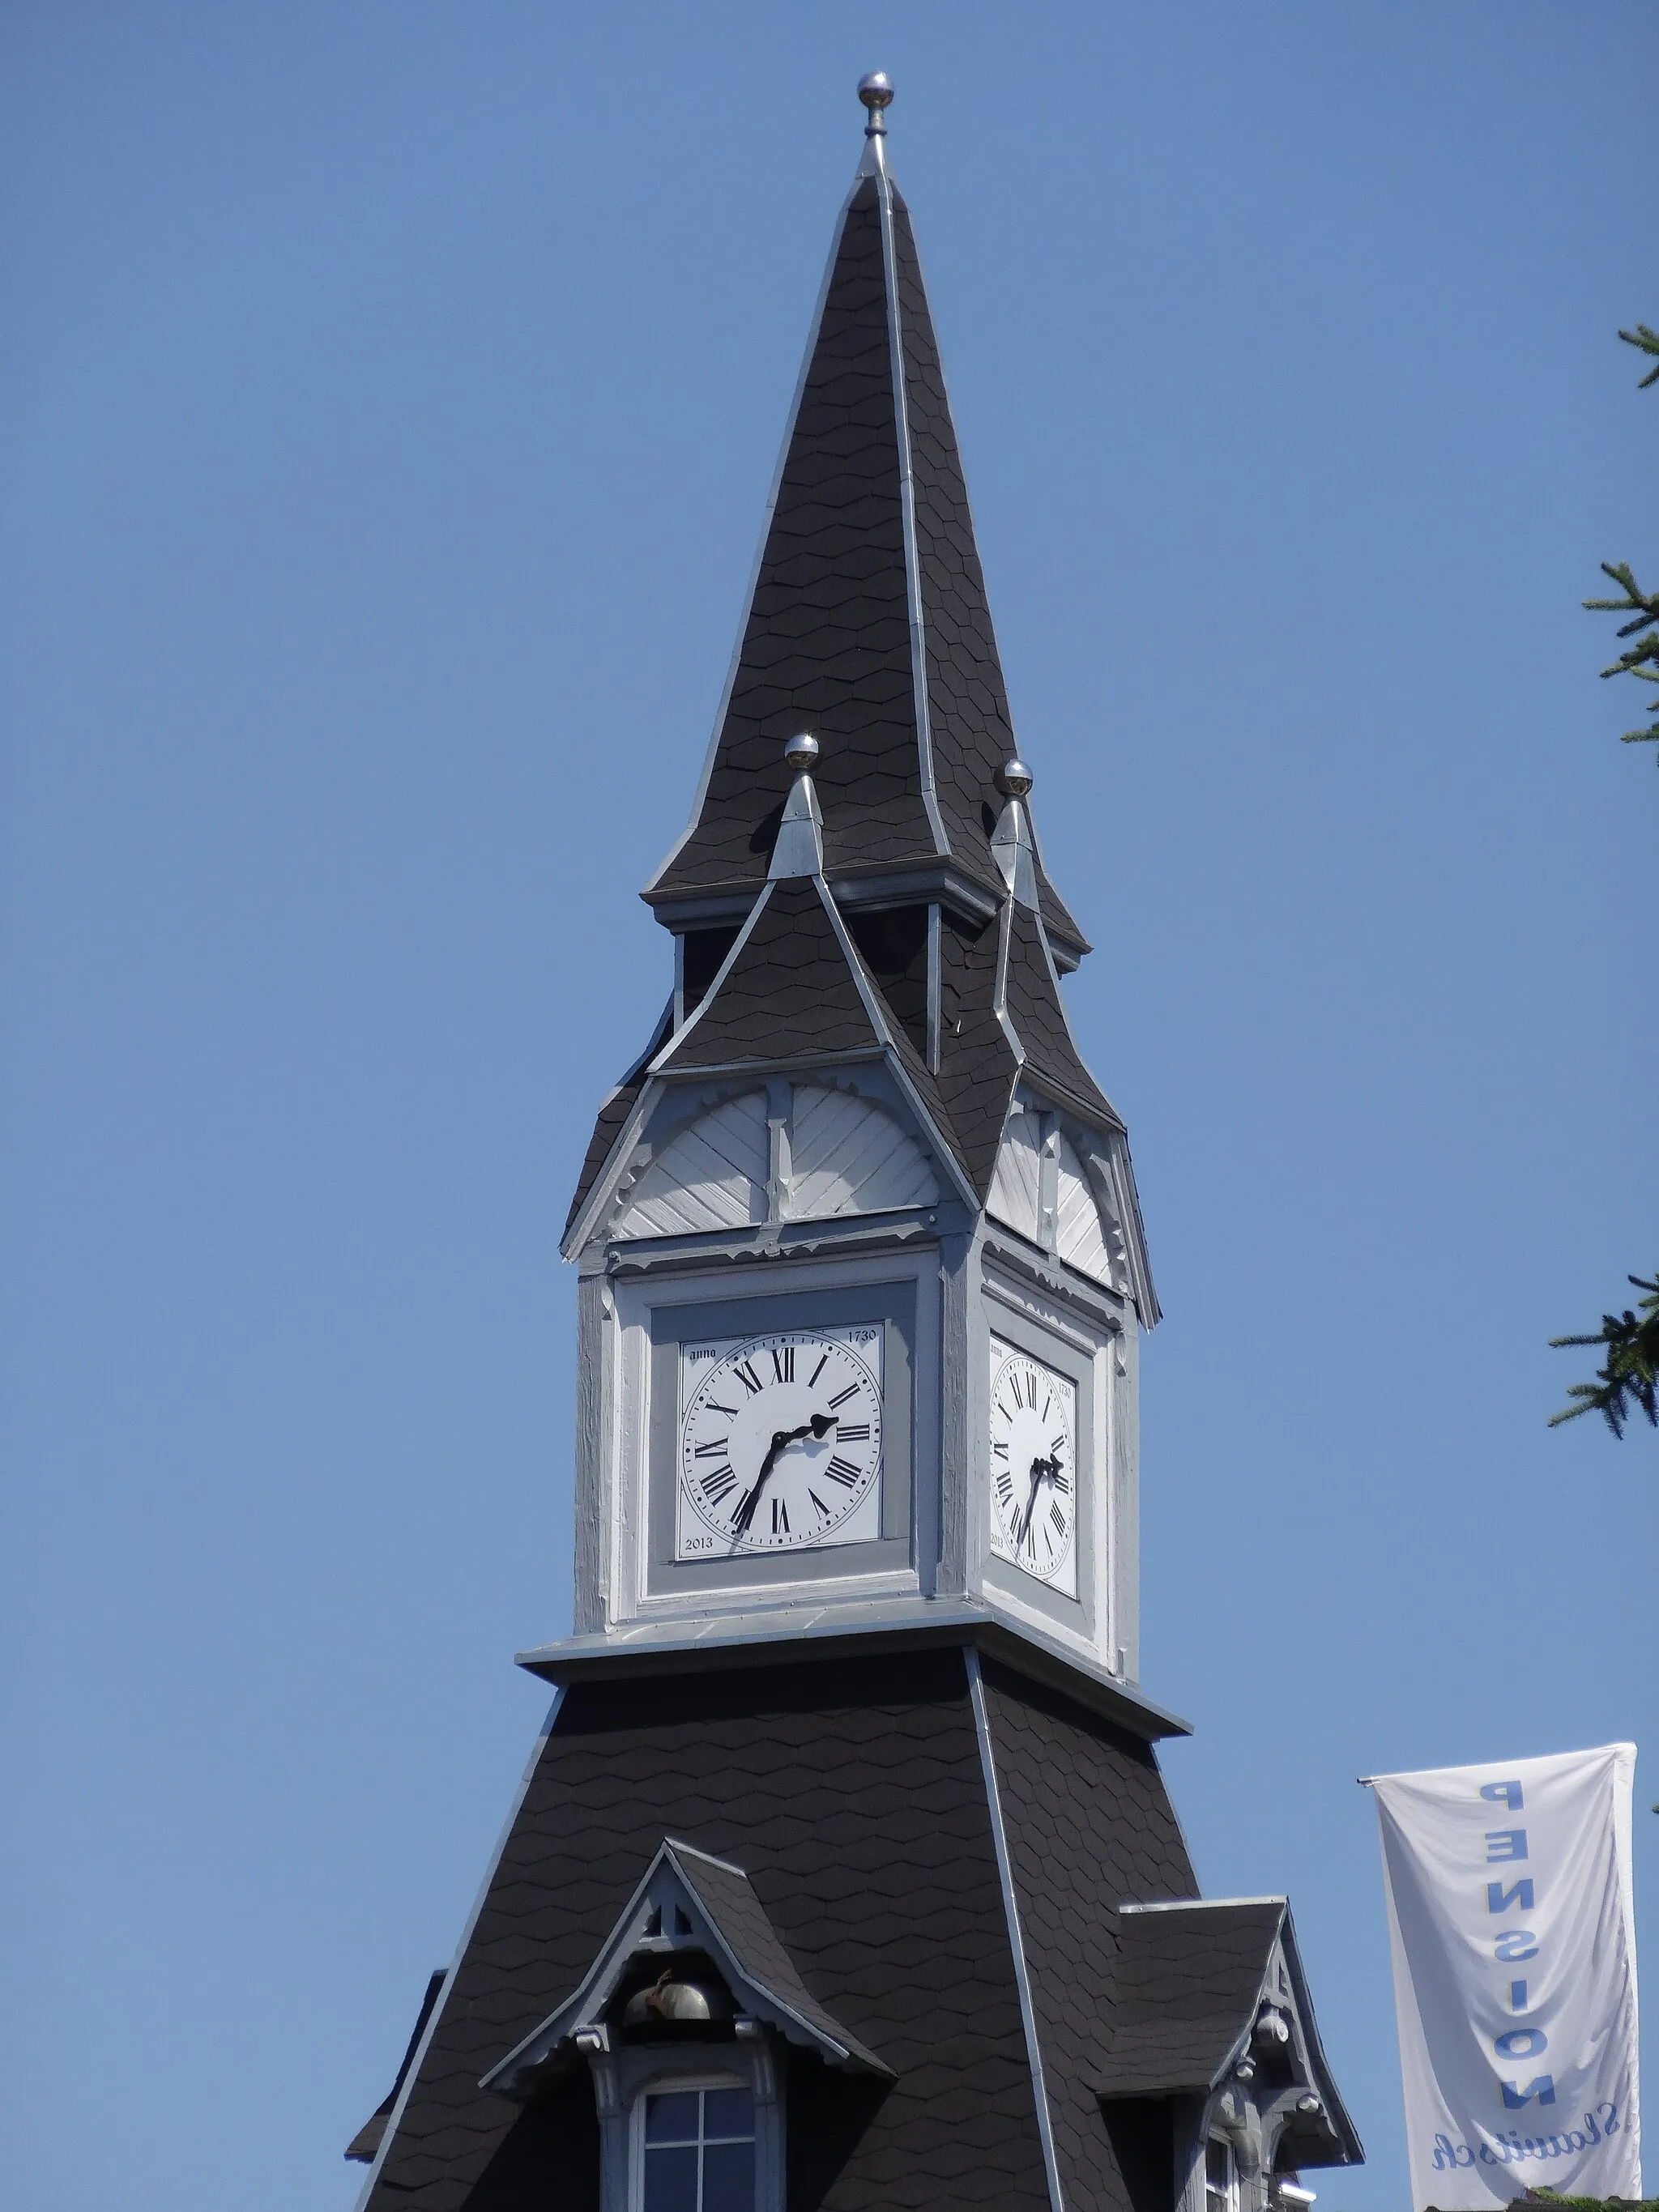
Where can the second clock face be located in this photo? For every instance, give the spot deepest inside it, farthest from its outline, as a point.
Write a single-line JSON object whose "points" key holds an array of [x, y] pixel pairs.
{"points": [[1034, 1468], [780, 1443]]}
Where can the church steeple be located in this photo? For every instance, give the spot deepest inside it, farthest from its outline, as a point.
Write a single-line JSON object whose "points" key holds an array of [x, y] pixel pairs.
{"points": [[868, 623], [867, 1064], [816, 1890]]}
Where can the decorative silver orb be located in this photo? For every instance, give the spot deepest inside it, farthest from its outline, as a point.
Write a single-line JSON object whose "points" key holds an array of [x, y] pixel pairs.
{"points": [[876, 90], [1014, 778], [801, 753]]}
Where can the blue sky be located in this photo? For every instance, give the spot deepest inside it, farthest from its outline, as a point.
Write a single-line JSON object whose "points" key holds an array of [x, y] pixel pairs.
{"points": [[391, 393]]}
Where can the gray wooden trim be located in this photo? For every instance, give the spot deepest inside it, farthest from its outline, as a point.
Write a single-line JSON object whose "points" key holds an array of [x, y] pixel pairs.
{"points": [[935, 990], [851, 1629], [595, 1453], [829, 1239], [1010, 1908], [907, 509]]}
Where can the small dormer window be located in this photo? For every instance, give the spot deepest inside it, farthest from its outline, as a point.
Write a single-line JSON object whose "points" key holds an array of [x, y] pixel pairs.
{"points": [[697, 2150]]}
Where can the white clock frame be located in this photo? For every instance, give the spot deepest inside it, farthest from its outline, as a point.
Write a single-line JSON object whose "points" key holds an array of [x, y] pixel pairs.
{"points": [[1062, 1577], [1094, 1350], [849, 1488], [627, 1424]]}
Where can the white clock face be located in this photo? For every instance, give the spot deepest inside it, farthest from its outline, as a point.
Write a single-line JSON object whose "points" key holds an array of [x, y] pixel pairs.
{"points": [[780, 1443], [1034, 1468]]}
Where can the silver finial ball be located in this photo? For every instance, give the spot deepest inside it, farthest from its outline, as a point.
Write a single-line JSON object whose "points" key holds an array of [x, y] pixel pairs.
{"points": [[801, 753], [876, 90], [1015, 778]]}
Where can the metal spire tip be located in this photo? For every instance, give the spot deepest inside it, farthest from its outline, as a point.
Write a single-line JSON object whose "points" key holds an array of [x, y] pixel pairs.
{"points": [[876, 91]]}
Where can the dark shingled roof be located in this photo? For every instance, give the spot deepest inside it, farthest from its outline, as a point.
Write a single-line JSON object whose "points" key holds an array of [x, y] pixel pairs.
{"points": [[1188, 1981], [977, 1067], [972, 729], [1039, 1020], [789, 992], [1089, 1822], [828, 642], [853, 1794], [727, 1896]]}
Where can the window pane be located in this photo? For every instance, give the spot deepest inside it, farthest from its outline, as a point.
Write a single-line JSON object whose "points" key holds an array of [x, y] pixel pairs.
{"points": [[1218, 2176], [728, 2112], [728, 2177], [673, 2119], [671, 2179]]}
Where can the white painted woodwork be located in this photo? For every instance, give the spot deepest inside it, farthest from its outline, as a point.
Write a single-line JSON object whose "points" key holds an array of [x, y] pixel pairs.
{"points": [[1080, 1233], [850, 1156], [711, 1176], [1017, 1183]]}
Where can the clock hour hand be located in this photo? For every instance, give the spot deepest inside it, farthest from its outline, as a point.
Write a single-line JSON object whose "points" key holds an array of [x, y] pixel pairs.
{"points": [[818, 1425], [1040, 1468]]}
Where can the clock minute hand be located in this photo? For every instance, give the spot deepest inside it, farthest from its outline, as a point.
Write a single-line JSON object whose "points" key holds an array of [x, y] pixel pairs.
{"points": [[745, 1512], [1031, 1503]]}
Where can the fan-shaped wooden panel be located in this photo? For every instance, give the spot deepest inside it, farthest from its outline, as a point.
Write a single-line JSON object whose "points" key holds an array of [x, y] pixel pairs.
{"points": [[1080, 1234], [848, 1156], [711, 1176], [1018, 1180]]}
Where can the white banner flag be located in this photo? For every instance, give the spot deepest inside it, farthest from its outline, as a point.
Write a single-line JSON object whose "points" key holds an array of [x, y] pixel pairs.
{"points": [[1514, 1948]]}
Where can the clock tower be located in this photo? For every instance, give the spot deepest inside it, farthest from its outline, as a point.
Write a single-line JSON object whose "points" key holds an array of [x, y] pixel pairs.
{"points": [[844, 1874]]}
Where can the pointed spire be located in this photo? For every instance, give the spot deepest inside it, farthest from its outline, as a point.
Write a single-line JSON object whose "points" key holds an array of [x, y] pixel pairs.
{"points": [[868, 620], [875, 890]]}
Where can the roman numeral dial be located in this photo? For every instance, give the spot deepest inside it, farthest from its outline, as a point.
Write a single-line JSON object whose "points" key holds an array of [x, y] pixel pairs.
{"points": [[780, 1443], [1033, 1468]]}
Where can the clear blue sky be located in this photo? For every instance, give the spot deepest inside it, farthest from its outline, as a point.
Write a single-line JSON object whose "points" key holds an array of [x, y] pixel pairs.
{"points": [[391, 389]]}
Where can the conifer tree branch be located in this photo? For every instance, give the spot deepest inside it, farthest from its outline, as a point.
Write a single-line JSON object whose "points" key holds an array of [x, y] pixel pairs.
{"points": [[1627, 1382], [1644, 341], [1643, 607]]}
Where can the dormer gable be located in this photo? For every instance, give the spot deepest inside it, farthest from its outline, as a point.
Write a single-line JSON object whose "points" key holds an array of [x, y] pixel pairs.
{"points": [[1213, 2004], [688, 1902]]}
